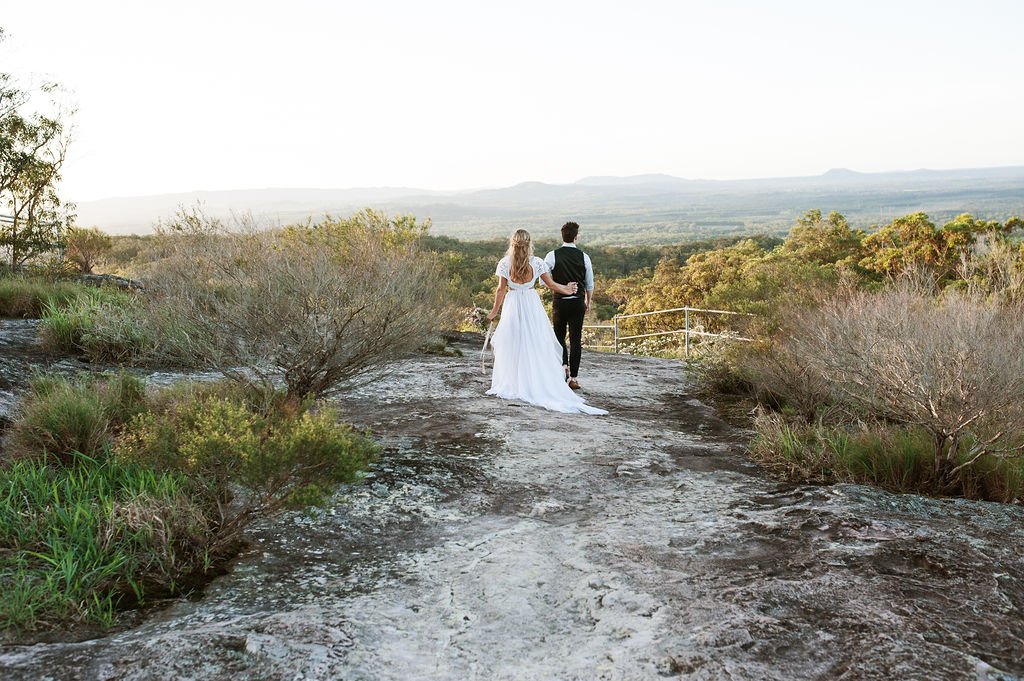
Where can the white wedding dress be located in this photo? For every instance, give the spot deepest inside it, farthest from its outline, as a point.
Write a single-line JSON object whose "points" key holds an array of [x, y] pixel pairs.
{"points": [[527, 356]]}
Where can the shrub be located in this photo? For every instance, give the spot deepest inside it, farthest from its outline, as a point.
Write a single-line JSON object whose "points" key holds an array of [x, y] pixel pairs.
{"points": [[86, 247], [129, 254], [66, 419], [947, 364], [316, 305], [951, 364], [781, 379], [284, 453]]}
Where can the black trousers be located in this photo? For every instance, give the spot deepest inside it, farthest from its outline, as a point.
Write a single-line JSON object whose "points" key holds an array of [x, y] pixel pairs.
{"points": [[567, 314]]}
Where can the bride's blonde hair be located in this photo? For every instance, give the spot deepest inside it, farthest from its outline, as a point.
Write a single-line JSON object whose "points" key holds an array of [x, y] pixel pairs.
{"points": [[520, 248]]}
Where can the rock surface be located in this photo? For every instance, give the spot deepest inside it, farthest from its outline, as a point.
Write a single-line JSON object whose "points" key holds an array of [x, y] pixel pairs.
{"points": [[496, 540]]}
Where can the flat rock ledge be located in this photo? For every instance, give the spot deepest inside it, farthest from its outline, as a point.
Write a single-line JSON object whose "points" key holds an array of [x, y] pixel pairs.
{"points": [[496, 540]]}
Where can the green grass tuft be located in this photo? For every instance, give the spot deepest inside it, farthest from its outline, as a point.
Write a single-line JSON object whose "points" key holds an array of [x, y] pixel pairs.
{"points": [[28, 296], [897, 458], [106, 325], [67, 419], [75, 544]]}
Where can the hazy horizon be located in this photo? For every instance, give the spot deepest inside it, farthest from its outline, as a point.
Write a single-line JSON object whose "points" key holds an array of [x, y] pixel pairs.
{"points": [[464, 190], [615, 210]]}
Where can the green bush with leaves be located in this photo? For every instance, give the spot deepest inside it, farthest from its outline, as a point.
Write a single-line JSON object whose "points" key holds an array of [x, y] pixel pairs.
{"points": [[85, 247], [284, 453], [112, 493], [914, 243]]}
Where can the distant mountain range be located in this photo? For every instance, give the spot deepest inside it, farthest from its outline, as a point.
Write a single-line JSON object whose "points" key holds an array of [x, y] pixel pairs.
{"points": [[650, 208]]}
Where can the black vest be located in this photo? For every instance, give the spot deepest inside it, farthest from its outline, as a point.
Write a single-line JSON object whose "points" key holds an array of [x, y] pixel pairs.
{"points": [[570, 266]]}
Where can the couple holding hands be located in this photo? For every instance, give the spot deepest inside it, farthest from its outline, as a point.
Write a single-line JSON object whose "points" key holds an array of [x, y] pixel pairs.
{"points": [[531, 360]]}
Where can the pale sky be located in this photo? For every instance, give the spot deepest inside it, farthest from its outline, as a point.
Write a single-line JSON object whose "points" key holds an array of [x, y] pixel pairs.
{"points": [[211, 94]]}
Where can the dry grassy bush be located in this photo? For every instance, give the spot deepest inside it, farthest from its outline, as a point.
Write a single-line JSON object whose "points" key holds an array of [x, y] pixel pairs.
{"points": [[950, 363], [318, 305], [995, 267], [179, 531], [783, 379]]}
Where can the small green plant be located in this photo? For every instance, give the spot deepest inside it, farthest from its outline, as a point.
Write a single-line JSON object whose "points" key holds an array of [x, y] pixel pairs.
{"points": [[440, 347], [66, 419], [287, 454], [78, 543]]}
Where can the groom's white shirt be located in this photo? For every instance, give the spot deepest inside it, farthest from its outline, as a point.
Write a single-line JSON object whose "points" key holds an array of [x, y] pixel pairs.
{"points": [[550, 260]]}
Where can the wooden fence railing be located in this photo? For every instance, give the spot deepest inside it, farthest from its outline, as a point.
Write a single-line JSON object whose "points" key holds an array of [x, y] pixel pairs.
{"points": [[687, 331]]}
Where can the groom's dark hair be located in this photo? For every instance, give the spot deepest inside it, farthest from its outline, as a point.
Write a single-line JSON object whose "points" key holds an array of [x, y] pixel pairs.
{"points": [[569, 232]]}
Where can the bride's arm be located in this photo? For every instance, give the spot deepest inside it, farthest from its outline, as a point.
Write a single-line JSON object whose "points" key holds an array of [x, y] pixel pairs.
{"points": [[566, 290], [499, 296]]}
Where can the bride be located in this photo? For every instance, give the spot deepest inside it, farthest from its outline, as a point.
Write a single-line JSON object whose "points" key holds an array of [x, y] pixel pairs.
{"points": [[527, 356]]}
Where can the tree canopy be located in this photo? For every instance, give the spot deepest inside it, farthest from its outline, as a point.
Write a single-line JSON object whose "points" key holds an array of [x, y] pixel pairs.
{"points": [[35, 132]]}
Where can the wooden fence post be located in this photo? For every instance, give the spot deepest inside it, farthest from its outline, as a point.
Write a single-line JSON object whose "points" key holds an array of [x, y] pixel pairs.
{"points": [[615, 320]]}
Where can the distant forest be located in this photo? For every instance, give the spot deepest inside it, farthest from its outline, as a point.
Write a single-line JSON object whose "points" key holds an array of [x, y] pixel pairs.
{"points": [[670, 220]]}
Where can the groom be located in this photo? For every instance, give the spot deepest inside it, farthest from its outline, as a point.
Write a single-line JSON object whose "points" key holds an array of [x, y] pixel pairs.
{"points": [[567, 264]]}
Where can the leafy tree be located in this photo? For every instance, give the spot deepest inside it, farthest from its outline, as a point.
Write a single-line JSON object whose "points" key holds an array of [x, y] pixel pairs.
{"points": [[620, 271], [86, 247], [824, 240], [765, 284], [913, 242], [392, 231], [33, 146], [906, 243], [746, 277], [675, 285]]}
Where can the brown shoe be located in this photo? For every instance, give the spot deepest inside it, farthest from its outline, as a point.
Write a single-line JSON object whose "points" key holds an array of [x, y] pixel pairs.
{"points": [[573, 384]]}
